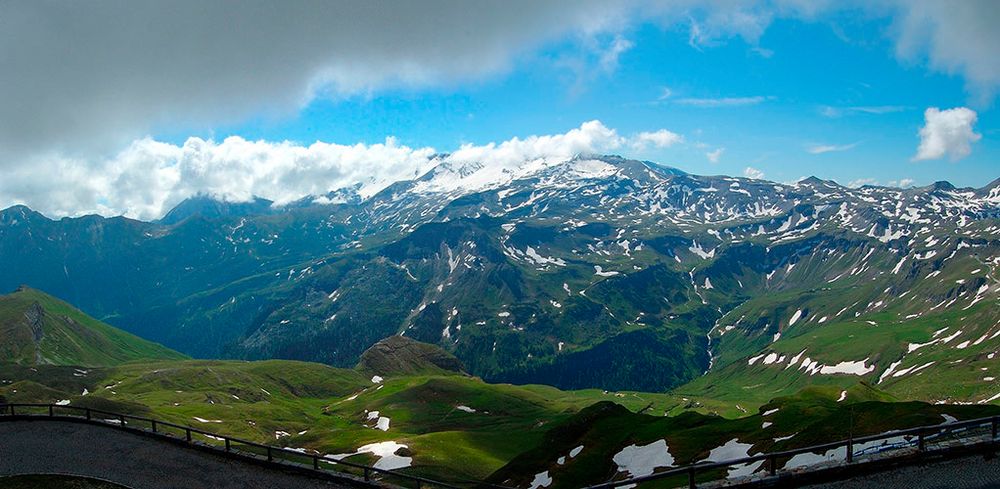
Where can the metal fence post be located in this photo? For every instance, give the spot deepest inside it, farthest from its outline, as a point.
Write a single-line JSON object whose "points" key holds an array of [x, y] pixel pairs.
{"points": [[121, 420], [315, 462], [270, 457], [367, 475], [920, 441], [187, 434], [51, 412], [88, 414], [227, 444], [691, 482], [773, 462], [850, 449], [154, 425], [993, 423]]}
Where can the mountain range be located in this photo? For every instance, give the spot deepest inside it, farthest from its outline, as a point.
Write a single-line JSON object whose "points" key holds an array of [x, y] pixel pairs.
{"points": [[596, 271]]}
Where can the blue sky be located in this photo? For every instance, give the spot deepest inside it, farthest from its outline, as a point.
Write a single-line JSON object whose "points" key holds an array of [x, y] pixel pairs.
{"points": [[807, 84], [146, 103]]}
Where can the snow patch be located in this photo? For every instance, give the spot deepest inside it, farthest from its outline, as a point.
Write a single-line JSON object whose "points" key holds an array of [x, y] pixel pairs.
{"points": [[638, 461]]}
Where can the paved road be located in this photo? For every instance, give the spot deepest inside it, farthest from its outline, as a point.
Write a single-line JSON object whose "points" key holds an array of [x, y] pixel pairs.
{"points": [[59, 447], [972, 472]]}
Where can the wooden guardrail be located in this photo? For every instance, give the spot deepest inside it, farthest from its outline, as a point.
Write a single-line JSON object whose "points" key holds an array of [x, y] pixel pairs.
{"points": [[230, 445], [922, 436]]}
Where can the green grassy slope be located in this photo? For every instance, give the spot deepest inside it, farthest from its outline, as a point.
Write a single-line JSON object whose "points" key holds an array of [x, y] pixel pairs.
{"points": [[453, 425], [36, 328], [810, 417]]}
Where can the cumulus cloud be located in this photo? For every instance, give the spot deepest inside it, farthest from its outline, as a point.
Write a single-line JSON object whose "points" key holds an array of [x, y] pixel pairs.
{"points": [[818, 149], [947, 132], [902, 183], [753, 173], [149, 177], [713, 156], [657, 139]]}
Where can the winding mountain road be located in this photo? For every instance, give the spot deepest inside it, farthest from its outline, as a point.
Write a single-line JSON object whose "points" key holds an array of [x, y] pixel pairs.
{"points": [[140, 462]]}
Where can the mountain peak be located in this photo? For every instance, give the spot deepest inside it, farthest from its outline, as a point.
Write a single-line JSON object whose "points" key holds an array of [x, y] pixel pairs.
{"points": [[402, 355], [942, 185], [18, 213], [212, 208]]}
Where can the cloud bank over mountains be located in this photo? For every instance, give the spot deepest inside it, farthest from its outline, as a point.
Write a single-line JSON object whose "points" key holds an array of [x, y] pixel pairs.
{"points": [[149, 177]]}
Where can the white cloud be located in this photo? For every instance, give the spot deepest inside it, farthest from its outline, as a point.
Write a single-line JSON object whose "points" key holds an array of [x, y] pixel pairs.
{"points": [[723, 101], [149, 177], [829, 148], [953, 37], [713, 156], [713, 22], [861, 182], [609, 58], [665, 93], [657, 139], [901, 183], [947, 132], [753, 173], [832, 112]]}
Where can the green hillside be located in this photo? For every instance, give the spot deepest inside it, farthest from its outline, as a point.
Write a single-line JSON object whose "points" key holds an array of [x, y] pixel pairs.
{"points": [[585, 449], [451, 425], [38, 329]]}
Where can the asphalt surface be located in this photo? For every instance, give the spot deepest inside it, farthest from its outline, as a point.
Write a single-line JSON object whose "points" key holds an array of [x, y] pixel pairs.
{"points": [[972, 472], [133, 460]]}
